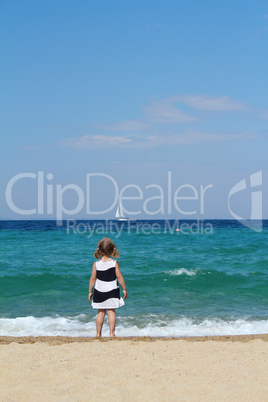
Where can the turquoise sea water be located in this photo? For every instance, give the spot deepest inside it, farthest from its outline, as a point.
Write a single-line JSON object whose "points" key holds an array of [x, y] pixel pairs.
{"points": [[208, 278]]}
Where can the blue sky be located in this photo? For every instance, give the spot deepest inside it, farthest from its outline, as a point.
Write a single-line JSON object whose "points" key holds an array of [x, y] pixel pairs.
{"points": [[139, 93]]}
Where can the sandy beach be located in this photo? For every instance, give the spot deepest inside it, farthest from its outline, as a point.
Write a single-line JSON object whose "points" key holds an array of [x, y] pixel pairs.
{"points": [[224, 368]]}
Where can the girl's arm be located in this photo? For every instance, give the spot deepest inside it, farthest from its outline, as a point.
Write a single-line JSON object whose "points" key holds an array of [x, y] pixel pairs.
{"points": [[120, 279], [92, 281]]}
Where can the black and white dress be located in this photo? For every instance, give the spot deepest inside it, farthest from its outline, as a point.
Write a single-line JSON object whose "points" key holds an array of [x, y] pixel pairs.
{"points": [[106, 290]]}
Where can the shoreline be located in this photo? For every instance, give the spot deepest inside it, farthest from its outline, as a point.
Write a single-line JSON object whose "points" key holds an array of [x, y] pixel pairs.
{"points": [[60, 340]]}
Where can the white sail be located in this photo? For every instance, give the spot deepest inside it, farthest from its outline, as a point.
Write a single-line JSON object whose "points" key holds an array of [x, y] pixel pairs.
{"points": [[119, 213]]}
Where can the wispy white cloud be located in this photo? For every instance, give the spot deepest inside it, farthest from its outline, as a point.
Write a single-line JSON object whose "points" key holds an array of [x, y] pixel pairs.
{"points": [[170, 113], [165, 111], [105, 141], [211, 103], [170, 110], [188, 137]]}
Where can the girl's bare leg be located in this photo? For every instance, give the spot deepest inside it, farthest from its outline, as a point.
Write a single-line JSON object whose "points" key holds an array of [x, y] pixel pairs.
{"points": [[99, 321], [111, 320]]}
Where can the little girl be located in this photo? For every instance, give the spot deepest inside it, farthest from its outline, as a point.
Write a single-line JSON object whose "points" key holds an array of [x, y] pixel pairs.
{"points": [[105, 274]]}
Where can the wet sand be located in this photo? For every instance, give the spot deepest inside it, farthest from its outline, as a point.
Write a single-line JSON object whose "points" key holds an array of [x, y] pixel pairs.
{"points": [[222, 368]]}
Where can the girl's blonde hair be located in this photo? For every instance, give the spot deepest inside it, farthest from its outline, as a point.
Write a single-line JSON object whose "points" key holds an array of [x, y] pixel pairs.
{"points": [[106, 247]]}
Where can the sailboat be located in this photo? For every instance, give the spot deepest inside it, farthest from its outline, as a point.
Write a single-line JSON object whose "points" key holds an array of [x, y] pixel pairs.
{"points": [[120, 214]]}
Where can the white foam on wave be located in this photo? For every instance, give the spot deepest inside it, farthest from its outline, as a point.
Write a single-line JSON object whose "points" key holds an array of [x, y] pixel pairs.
{"points": [[181, 271], [149, 325], [210, 327], [47, 326]]}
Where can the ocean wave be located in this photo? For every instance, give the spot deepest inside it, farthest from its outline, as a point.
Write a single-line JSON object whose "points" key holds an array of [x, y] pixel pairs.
{"points": [[149, 325], [182, 271], [46, 326]]}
